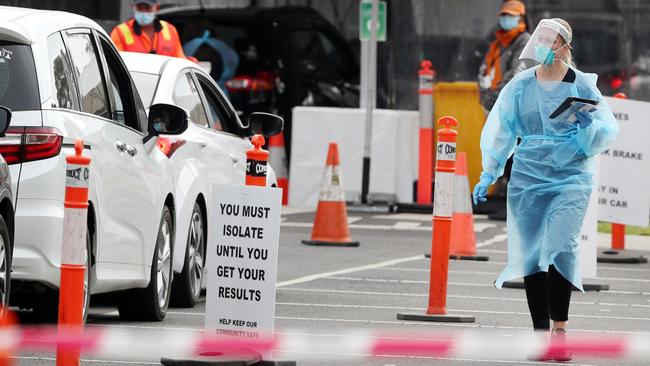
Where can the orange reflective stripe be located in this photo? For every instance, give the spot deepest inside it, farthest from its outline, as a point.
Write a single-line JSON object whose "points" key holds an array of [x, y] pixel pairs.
{"points": [[126, 32], [165, 31]]}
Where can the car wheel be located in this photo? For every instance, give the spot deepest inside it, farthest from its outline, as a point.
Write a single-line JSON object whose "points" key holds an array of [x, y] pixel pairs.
{"points": [[46, 309], [186, 288], [151, 303], [5, 266]]}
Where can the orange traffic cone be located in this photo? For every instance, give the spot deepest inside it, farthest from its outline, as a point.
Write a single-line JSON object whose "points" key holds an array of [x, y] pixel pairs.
{"points": [[463, 238], [331, 221], [278, 160]]}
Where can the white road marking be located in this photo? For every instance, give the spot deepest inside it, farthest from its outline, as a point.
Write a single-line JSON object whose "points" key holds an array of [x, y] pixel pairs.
{"points": [[417, 217], [458, 310], [480, 227], [286, 210], [400, 225], [296, 224], [352, 219], [624, 269], [623, 279], [427, 271], [406, 225], [495, 251], [313, 277], [473, 297], [496, 239], [406, 217], [382, 280]]}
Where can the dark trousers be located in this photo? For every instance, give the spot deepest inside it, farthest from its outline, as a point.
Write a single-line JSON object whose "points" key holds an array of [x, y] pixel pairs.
{"points": [[548, 296]]}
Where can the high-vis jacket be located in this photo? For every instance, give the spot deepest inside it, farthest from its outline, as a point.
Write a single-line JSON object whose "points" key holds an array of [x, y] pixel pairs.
{"points": [[129, 36], [502, 63]]}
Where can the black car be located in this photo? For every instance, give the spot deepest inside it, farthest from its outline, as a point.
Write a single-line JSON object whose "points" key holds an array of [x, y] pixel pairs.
{"points": [[287, 56]]}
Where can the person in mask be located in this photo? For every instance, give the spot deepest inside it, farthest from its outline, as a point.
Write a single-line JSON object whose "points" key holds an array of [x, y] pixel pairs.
{"points": [[502, 61], [500, 65], [551, 179], [147, 34]]}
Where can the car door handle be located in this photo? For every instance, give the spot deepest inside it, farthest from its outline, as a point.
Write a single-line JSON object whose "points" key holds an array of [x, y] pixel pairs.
{"points": [[234, 158], [202, 145], [131, 150], [119, 145]]}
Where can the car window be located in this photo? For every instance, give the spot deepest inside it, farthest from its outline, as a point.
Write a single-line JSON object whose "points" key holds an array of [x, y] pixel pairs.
{"points": [[146, 84], [86, 67], [124, 109], [335, 51], [220, 111], [186, 95], [18, 85], [303, 44], [64, 91]]}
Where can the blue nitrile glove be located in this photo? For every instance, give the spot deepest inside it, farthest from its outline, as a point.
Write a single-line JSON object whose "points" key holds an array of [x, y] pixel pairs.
{"points": [[480, 190], [584, 118]]}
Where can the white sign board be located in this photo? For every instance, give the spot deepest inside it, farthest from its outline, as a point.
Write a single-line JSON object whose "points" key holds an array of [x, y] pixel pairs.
{"points": [[242, 260], [588, 240], [624, 189]]}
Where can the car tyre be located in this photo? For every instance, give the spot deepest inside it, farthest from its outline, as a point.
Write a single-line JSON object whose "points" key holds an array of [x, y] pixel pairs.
{"points": [[151, 303], [5, 266], [46, 308], [186, 288]]}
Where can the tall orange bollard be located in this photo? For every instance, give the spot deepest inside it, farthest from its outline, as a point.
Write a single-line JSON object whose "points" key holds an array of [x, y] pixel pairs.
{"points": [[618, 230], [73, 251], [425, 161], [442, 216], [256, 162], [463, 237], [278, 160]]}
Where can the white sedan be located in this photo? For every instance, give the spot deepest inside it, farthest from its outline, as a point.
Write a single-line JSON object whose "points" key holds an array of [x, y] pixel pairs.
{"points": [[211, 150]]}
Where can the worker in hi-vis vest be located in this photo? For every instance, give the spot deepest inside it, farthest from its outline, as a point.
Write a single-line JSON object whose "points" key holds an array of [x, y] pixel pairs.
{"points": [[147, 34]]}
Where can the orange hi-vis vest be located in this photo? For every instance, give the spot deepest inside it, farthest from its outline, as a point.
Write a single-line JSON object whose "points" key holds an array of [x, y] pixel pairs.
{"points": [[128, 36]]}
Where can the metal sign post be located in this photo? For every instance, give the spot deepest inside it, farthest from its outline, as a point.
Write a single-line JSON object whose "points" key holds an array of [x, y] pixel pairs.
{"points": [[371, 80]]}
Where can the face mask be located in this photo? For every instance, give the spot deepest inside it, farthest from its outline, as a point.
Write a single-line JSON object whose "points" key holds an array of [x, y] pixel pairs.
{"points": [[508, 22], [144, 18], [545, 55]]}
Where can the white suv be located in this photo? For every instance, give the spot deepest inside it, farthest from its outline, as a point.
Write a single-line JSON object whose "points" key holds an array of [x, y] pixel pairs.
{"points": [[68, 81], [214, 151]]}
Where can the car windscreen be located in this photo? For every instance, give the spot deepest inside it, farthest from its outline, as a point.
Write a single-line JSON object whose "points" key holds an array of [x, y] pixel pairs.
{"points": [[18, 85], [146, 84]]}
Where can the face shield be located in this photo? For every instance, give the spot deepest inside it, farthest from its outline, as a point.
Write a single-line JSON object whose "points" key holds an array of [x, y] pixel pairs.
{"points": [[548, 37]]}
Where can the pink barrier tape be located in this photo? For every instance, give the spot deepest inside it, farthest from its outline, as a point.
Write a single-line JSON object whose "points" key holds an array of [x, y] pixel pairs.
{"points": [[136, 344]]}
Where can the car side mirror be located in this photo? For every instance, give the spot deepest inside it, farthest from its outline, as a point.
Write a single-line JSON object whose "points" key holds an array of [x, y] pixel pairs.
{"points": [[266, 124], [167, 119], [5, 119]]}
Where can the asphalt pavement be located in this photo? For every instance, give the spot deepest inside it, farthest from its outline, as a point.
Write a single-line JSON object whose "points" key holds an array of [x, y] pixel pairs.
{"points": [[326, 291]]}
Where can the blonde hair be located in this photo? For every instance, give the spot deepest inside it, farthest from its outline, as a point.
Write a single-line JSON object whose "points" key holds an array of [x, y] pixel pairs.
{"points": [[568, 58]]}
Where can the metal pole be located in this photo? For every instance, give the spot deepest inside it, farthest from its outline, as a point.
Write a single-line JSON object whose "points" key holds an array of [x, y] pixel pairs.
{"points": [[370, 101]]}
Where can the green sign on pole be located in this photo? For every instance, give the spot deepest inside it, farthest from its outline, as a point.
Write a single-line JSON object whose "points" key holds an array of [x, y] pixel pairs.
{"points": [[365, 19]]}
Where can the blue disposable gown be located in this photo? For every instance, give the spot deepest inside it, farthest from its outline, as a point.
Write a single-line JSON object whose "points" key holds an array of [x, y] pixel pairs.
{"points": [[551, 178]]}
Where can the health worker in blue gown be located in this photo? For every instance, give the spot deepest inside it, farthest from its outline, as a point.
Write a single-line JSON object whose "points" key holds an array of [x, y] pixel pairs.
{"points": [[552, 171]]}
